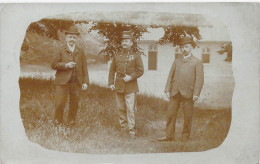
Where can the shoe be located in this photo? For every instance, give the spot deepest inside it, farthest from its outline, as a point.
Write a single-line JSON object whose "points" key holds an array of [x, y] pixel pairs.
{"points": [[164, 139]]}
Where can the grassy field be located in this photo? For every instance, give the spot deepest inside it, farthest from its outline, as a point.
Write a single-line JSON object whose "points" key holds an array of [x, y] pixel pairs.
{"points": [[97, 127]]}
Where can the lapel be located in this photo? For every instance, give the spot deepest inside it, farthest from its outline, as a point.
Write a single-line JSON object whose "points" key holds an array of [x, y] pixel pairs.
{"points": [[186, 60]]}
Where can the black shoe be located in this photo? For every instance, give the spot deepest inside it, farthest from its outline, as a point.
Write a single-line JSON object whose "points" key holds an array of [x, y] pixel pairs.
{"points": [[164, 139]]}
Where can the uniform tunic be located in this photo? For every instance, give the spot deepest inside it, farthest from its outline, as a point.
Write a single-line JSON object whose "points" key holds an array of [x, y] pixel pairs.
{"points": [[126, 63]]}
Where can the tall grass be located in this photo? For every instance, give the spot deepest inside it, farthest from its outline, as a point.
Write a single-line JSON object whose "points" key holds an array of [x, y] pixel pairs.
{"points": [[97, 127]]}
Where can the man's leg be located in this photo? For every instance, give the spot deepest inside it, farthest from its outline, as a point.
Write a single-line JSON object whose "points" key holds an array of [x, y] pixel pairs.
{"points": [[172, 111], [188, 113], [130, 101], [74, 93], [120, 103], [61, 92]]}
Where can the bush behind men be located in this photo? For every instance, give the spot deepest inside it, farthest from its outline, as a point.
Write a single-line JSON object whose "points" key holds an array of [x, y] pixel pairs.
{"points": [[128, 66]]}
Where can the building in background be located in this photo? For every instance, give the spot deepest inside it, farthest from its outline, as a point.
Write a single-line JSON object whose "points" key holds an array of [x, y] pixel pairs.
{"points": [[160, 57]]}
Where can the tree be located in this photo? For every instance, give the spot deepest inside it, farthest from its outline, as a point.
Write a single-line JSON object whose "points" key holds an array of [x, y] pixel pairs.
{"points": [[173, 34], [226, 48], [110, 34], [113, 32]]}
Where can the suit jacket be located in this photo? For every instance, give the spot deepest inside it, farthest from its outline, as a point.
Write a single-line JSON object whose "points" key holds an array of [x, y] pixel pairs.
{"points": [[123, 63], [63, 56], [186, 76]]}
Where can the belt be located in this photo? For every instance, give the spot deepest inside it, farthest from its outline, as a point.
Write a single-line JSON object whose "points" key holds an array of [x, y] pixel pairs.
{"points": [[120, 75]]}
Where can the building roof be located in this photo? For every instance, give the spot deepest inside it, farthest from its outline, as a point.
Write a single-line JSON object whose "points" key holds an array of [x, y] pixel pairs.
{"points": [[138, 18]]}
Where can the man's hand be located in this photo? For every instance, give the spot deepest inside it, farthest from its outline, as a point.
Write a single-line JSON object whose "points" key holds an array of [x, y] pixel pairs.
{"points": [[84, 86], [112, 87], [167, 95], [195, 98], [70, 65], [127, 78]]}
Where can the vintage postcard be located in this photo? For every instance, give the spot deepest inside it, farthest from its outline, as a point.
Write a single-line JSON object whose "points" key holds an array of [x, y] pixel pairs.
{"points": [[130, 83]]}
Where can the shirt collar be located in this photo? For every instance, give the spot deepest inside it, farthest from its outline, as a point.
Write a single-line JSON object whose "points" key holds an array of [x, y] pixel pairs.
{"points": [[72, 48], [185, 57]]}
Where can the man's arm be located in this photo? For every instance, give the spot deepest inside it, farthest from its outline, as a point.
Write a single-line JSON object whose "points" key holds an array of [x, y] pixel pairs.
{"points": [[170, 77], [112, 71], [56, 61], [139, 70], [199, 79]]}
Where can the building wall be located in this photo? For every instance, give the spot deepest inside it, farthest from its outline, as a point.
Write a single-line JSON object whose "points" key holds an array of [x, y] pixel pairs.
{"points": [[166, 54]]}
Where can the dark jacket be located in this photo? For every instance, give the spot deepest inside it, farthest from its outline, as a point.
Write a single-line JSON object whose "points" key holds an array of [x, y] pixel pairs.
{"points": [[63, 56], [186, 76], [123, 63]]}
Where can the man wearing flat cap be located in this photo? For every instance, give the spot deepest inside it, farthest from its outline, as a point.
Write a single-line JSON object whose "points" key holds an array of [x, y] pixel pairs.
{"points": [[127, 65], [71, 76], [183, 86]]}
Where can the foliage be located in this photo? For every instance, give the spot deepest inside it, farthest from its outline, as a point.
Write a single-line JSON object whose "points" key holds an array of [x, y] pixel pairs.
{"points": [[105, 37], [39, 49], [226, 48], [50, 27], [113, 32], [173, 34]]}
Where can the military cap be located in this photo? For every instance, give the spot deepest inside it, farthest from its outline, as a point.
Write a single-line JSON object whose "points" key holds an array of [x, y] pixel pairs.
{"points": [[72, 30], [186, 40], [127, 35]]}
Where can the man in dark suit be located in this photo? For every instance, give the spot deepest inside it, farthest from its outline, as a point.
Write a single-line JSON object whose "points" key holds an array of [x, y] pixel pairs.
{"points": [[128, 66], [71, 76], [184, 85]]}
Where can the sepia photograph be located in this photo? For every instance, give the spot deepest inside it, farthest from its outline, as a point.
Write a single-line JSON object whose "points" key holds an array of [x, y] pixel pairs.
{"points": [[124, 81], [114, 82]]}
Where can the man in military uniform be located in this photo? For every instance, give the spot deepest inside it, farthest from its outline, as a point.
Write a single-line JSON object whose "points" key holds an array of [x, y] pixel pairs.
{"points": [[128, 66], [71, 76], [184, 85]]}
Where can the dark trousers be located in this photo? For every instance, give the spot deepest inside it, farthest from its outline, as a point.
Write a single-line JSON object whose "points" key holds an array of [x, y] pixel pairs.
{"points": [[72, 88], [172, 111]]}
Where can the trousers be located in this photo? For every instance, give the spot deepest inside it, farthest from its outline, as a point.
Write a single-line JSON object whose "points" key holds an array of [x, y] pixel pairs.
{"points": [[72, 88], [126, 105], [172, 111]]}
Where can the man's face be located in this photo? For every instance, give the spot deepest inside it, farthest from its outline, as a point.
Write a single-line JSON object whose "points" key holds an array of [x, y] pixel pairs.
{"points": [[186, 49], [71, 39], [127, 43]]}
